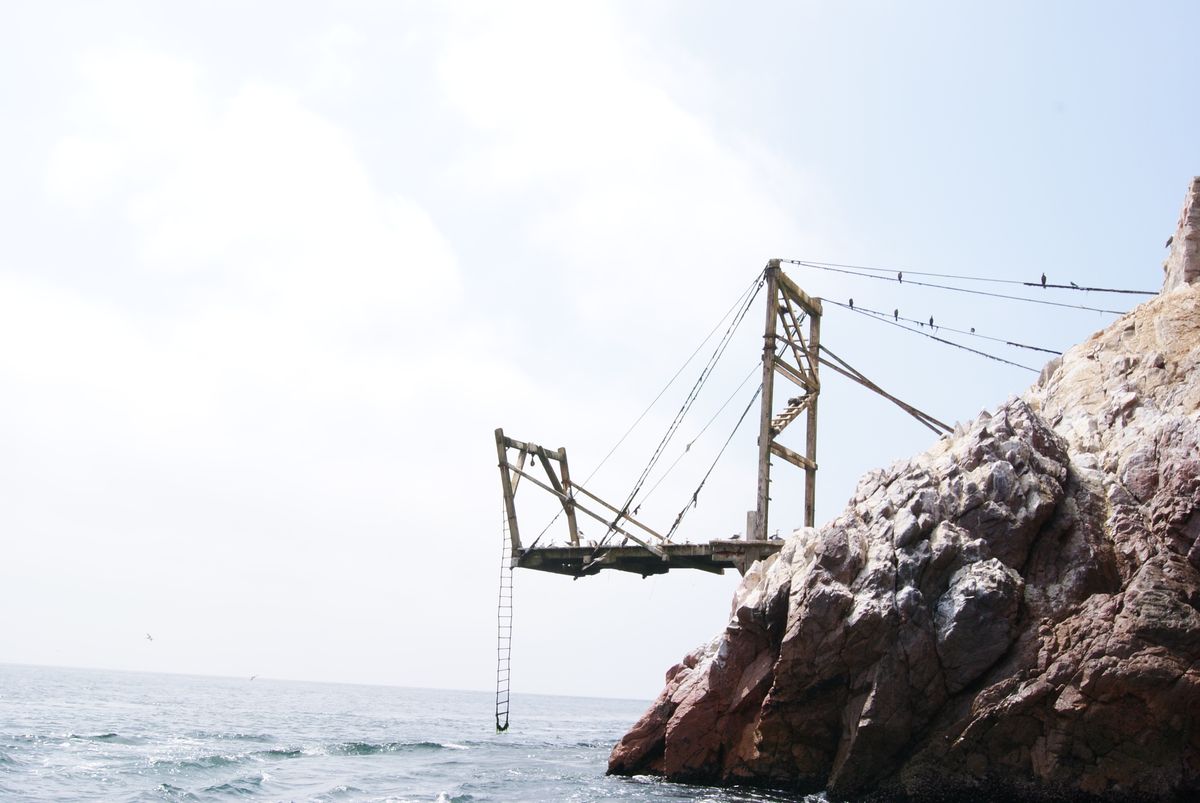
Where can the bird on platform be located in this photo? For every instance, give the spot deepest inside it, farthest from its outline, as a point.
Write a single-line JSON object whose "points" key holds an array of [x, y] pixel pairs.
{"points": [[1170, 240], [149, 637], [852, 303], [1043, 280], [895, 314]]}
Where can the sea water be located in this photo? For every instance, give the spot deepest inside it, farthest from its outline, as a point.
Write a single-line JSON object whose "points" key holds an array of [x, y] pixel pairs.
{"points": [[84, 734]]}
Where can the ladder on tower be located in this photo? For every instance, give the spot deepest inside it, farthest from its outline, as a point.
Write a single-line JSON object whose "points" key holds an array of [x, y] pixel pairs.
{"points": [[504, 630]]}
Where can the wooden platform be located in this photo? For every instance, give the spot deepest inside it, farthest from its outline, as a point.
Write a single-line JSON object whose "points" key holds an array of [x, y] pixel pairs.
{"points": [[715, 556]]}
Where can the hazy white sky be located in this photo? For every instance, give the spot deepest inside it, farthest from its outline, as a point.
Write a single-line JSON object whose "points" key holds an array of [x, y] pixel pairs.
{"points": [[271, 274]]}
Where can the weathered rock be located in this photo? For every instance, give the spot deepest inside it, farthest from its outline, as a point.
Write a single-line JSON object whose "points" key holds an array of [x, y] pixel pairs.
{"points": [[1183, 261], [1016, 609]]}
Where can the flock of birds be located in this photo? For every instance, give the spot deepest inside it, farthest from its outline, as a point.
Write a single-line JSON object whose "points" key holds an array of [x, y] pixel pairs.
{"points": [[900, 278]]}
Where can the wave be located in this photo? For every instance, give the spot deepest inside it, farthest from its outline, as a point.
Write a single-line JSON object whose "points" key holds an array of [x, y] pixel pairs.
{"points": [[232, 736], [168, 792], [250, 786], [218, 760], [43, 738], [108, 738], [339, 792], [197, 763], [370, 748], [278, 753]]}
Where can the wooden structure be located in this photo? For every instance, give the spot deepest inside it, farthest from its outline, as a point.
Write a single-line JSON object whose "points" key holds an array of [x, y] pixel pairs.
{"points": [[790, 349], [787, 308]]}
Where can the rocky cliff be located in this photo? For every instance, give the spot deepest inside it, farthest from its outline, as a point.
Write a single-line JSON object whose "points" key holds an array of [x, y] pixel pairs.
{"points": [[1014, 612]]}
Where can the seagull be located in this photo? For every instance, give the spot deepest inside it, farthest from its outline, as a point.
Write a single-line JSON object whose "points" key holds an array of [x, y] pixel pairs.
{"points": [[149, 637], [1170, 240], [1043, 280]]}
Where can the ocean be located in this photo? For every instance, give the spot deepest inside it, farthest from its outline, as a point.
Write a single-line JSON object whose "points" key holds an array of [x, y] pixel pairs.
{"points": [[85, 734]]}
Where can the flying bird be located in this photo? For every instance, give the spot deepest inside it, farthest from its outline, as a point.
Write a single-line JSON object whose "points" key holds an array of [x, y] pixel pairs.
{"points": [[1043, 280], [149, 637]]}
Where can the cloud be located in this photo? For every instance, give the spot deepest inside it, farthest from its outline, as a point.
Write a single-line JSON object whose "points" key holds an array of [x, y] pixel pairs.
{"points": [[634, 189]]}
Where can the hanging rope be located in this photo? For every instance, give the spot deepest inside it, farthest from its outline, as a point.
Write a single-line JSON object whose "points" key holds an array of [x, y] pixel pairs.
{"points": [[750, 291], [686, 449], [696, 494], [705, 373]]}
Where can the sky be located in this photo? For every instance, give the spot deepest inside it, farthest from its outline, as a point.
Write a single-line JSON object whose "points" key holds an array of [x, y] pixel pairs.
{"points": [[271, 275]]}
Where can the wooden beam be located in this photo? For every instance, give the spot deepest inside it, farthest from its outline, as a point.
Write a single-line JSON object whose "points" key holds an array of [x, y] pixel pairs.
{"points": [[793, 373], [598, 517], [810, 446], [569, 507], [794, 458], [517, 479], [625, 516], [929, 421], [768, 396], [809, 356], [810, 305], [510, 508], [533, 448]]}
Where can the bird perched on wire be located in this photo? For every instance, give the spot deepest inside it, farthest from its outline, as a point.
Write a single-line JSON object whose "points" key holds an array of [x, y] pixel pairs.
{"points": [[900, 277], [930, 321], [896, 314], [1043, 280], [1075, 285], [852, 303]]}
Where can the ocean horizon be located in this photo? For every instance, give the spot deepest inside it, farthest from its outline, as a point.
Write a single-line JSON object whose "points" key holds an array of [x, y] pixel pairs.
{"points": [[71, 733]]}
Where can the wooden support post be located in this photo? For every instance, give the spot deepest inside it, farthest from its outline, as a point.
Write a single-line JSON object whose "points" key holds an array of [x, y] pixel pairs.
{"points": [[810, 471], [568, 503], [764, 421], [506, 484]]}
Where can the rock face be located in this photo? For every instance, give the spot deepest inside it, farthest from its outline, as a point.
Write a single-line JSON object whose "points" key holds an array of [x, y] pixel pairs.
{"points": [[1183, 261], [1016, 610]]}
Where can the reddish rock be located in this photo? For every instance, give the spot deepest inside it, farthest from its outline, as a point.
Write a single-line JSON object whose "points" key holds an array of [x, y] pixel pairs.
{"points": [[1016, 609]]}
